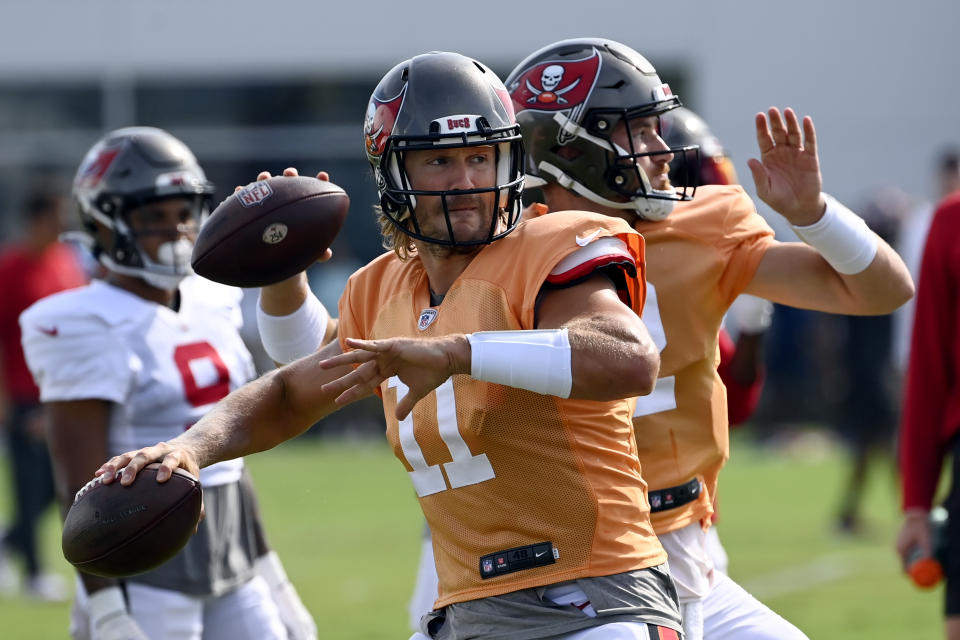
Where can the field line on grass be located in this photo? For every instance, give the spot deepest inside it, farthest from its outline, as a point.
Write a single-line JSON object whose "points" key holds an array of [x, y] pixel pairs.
{"points": [[822, 570]]}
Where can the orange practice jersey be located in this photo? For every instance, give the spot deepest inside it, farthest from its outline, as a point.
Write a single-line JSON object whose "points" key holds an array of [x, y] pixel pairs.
{"points": [[698, 261], [497, 467]]}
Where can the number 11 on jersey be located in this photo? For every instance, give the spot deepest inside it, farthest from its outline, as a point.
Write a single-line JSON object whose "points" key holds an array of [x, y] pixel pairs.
{"points": [[463, 470]]}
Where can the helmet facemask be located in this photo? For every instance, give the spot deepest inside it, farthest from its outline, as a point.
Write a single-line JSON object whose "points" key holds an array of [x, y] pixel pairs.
{"points": [[130, 168], [126, 254], [622, 175], [400, 196], [172, 263]]}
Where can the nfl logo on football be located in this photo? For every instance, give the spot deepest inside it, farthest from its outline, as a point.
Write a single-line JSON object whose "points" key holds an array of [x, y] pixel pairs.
{"points": [[254, 194]]}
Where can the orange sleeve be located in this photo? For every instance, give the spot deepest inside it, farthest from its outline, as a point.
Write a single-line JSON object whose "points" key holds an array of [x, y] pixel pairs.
{"points": [[746, 234], [351, 324]]}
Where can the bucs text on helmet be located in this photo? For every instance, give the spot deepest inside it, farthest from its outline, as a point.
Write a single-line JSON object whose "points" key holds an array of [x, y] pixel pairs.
{"points": [[442, 99], [126, 169], [569, 98], [682, 128]]}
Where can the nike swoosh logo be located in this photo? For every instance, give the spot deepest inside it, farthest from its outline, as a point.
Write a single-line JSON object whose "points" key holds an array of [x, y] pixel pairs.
{"points": [[537, 555], [52, 332], [584, 241]]}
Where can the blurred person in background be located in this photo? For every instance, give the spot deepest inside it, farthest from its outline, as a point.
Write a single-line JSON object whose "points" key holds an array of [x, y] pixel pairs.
{"points": [[36, 265], [930, 424], [589, 110], [139, 356], [911, 240], [868, 405], [746, 322]]}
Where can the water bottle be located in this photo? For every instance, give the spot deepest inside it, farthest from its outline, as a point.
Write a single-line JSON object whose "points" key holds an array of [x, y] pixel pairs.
{"points": [[927, 571]]}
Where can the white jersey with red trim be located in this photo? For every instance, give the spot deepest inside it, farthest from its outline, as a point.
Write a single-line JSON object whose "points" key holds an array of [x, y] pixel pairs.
{"points": [[162, 369]]}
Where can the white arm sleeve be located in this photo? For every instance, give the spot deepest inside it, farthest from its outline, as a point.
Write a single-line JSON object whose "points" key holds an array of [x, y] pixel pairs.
{"points": [[288, 338]]}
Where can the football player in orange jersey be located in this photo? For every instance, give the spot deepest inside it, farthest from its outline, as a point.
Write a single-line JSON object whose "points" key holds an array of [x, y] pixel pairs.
{"points": [[506, 353], [741, 365], [599, 149], [741, 362]]}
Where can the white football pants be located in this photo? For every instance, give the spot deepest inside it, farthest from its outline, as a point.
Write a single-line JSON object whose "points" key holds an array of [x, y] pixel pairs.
{"points": [[246, 613]]}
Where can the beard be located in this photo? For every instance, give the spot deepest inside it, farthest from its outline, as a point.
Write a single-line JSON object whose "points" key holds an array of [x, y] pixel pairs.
{"points": [[437, 218]]}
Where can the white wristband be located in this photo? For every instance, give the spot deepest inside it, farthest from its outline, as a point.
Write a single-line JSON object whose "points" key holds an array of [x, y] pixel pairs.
{"points": [[288, 338], [842, 238], [106, 603], [538, 360]]}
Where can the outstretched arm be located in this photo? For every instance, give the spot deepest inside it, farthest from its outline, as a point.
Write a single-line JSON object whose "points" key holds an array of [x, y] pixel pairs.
{"points": [[843, 267], [613, 355], [260, 415], [609, 354]]}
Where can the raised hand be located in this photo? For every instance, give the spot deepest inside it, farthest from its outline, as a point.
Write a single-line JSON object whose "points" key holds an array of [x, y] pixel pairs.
{"points": [[421, 364], [787, 176]]}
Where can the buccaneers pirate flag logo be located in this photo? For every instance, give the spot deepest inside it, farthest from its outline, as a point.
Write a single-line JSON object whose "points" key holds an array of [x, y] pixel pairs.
{"points": [[378, 124], [556, 85]]}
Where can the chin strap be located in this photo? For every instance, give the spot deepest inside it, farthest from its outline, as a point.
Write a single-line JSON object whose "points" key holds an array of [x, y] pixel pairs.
{"points": [[651, 209], [166, 282]]}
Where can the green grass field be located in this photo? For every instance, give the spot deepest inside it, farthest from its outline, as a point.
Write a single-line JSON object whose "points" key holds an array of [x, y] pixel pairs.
{"points": [[346, 524]]}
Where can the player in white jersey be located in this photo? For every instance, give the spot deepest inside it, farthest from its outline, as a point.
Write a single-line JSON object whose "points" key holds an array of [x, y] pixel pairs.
{"points": [[139, 357]]}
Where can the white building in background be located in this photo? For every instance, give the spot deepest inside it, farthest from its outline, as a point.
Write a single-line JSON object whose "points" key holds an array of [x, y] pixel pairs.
{"points": [[878, 77]]}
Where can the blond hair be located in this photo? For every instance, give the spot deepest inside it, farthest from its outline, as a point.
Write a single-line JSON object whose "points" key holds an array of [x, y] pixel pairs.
{"points": [[392, 238]]}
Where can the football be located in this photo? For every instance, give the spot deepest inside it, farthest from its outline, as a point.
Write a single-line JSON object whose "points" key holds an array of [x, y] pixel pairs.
{"points": [[116, 531], [269, 231]]}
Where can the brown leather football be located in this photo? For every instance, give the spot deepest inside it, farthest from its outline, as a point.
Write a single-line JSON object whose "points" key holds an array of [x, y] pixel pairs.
{"points": [[269, 231], [116, 531]]}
